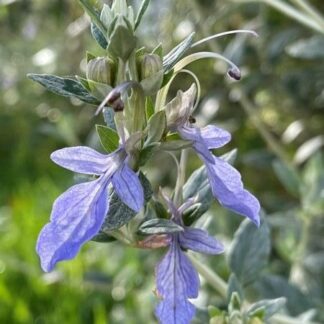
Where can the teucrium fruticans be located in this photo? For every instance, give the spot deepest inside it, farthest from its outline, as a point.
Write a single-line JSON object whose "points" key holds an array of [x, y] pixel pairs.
{"points": [[133, 84]]}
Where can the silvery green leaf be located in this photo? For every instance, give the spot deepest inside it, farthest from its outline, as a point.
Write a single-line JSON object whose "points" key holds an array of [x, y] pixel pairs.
{"points": [[249, 251], [268, 306], [141, 12], [106, 15], [310, 48], [122, 42], [176, 53], [234, 303], [234, 286], [83, 82], [120, 7], [288, 177], [131, 16], [64, 87], [159, 226], [119, 214], [98, 36], [155, 127], [108, 138], [93, 14]]}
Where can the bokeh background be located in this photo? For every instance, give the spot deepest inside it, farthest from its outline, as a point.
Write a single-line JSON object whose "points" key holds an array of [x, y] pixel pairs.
{"points": [[276, 116]]}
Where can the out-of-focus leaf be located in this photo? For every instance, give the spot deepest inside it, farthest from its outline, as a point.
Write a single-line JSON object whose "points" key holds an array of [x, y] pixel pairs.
{"points": [[64, 87], [275, 286], [120, 214], [288, 177], [307, 149], [159, 226], [249, 251], [268, 306], [286, 227], [176, 53], [98, 36], [108, 138], [311, 48], [313, 185]]}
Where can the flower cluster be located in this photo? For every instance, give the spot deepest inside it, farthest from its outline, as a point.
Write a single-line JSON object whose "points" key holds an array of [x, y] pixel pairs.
{"points": [[130, 87]]}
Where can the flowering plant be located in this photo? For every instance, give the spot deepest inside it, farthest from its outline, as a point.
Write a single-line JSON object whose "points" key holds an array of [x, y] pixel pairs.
{"points": [[130, 86]]}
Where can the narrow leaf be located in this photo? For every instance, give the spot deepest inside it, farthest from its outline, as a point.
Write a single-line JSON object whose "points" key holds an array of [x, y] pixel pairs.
{"points": [[64, 87], [141, 12], [176, 53], [149, 107], [156, 127], [108, 138], [98, 36], [88, 8]]}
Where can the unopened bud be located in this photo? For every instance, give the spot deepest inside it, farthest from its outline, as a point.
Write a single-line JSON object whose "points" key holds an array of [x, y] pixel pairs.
{"points": [[150, 65], [102, 70], [151, 73]]}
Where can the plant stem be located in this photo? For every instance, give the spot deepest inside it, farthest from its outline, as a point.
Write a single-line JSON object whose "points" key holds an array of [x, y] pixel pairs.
{"points": [[274, 145], [210, 276]]}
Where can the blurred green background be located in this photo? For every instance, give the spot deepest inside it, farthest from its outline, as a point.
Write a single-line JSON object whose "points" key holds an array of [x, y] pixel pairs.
{"points": [[275, 114]]}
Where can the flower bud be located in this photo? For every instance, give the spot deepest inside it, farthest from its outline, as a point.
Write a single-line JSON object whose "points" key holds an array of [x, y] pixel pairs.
{"points": [[150, 65], [102, 70], [151, 73]]}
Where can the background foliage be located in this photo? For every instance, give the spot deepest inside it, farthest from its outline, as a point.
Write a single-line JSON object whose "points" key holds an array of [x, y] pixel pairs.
{"points": [[276, 116]]}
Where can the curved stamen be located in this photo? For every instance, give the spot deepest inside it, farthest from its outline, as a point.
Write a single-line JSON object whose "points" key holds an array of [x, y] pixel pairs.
{"points": [[237, 31]]}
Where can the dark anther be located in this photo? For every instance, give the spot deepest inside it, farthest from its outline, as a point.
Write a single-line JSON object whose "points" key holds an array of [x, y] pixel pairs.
{"points": [[234, 73], [192, 119]]}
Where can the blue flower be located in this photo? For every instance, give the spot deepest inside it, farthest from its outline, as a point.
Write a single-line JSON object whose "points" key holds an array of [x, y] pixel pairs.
{"points": [[225, 181], [78, 213], [176, 278]]}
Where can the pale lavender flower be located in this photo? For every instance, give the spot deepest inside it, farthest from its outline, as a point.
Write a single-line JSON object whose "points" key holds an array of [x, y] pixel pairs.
{"points": [[225, 181], [78, 213], [176, 278]]}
